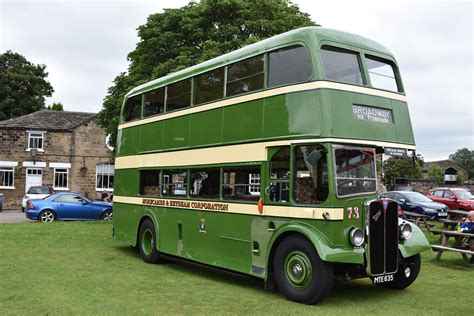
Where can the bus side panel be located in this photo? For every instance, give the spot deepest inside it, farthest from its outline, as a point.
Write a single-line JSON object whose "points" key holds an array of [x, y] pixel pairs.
{"points": [[151, 136], [296, 113], [402, 117], [126, 219], [243, 121], [214, 238], [176, 132], [128, 138], [126, 182], [206, 127]]}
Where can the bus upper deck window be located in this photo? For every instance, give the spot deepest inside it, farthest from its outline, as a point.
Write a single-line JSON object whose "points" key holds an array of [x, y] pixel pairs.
{"points": [[133, 108], [245, 76], [289, 65], [341, 65], [381, 74], [154, 102], [178, 95], [209, 86]]}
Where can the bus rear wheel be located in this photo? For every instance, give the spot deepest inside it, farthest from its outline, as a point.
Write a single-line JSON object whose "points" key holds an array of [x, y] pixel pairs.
{"points": [[147, 242], [300, 274]]}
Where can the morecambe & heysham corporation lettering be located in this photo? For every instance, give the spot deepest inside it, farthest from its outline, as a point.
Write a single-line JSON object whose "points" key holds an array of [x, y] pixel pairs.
{"points": [[188, 204]]}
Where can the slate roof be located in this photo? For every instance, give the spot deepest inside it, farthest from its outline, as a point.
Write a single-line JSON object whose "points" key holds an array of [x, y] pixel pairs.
{"points": [[47, 120]]}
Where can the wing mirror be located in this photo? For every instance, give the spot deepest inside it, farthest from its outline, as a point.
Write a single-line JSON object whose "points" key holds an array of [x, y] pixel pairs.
{"points": [[453, 198], [403, 201]]}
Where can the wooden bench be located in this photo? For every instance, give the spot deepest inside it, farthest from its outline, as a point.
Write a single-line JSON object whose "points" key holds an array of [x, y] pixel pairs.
{"points": [[443, 248], [457, 246]]}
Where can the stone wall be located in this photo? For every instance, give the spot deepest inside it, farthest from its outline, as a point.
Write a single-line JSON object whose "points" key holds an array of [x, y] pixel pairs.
{"points": [[83, 148]]}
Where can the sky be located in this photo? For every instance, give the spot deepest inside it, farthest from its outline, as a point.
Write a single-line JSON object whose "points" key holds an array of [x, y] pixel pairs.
{"points": [[85, 43]]}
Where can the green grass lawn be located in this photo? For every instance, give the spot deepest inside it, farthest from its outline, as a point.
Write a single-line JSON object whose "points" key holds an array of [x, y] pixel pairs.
{"points": [[77, 268]]}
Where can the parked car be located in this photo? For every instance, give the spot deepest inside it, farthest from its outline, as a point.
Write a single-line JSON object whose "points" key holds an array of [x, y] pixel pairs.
{"points": [[418, 203], [36, 193], [67, 206], [454, 198]]}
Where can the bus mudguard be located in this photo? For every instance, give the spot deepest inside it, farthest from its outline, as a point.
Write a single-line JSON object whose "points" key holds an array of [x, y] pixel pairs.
{"points": [[415, 244]]}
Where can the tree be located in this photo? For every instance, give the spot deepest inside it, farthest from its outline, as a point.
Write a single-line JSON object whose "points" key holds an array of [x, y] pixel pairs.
{"points": [[408, 167], [179, 38], [460, 178], [436, 173], [465, 158], [23, 87], [56, 106]]}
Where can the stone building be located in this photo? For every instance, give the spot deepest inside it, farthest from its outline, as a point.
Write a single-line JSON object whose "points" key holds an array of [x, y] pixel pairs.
{"points": [[64, 150], [449, 168]]}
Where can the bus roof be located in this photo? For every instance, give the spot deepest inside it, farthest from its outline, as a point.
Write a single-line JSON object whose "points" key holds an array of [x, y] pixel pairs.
{"points": [[309, 34]]}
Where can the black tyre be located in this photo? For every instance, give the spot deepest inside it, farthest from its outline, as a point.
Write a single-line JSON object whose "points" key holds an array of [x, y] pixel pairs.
{"points": [[107, 215], [408, 270], [147, 242], [300, 274], [47, 216]]}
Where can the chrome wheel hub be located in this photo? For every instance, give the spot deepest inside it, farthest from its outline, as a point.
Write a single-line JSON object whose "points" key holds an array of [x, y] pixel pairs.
{"points": [[297, 269]]}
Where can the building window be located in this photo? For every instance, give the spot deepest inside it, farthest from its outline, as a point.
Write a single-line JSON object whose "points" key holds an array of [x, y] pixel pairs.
{"points": [[7, 178], [35, 140], [61, 179], [105, 177]]}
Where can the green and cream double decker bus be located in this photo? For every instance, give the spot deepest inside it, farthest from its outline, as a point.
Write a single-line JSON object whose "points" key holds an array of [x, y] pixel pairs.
{"points": [[263, 161]]}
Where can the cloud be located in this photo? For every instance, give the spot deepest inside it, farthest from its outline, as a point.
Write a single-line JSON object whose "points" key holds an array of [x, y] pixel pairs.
{"points": [[85, 45]]}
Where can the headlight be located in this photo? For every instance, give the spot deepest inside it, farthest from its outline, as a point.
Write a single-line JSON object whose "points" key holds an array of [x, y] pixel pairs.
{"points": [[429, 210], [405, 231], [356, 237]]}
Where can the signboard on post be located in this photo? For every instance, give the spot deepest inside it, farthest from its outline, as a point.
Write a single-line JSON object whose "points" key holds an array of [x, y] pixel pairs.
{"points": [[396, 152]]}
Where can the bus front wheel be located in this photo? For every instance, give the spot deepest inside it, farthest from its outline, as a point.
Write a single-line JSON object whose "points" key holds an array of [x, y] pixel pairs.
{"points": [[300, 274], [147, 242]]}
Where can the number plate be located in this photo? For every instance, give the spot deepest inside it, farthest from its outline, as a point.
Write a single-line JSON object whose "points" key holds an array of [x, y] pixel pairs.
{"points": [[442, 214], [382, 278]]}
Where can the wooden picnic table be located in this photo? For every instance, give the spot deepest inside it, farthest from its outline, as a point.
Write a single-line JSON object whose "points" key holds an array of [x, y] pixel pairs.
{"points": [[419, 219], [457, 246], [456, 214], [450, 223]]}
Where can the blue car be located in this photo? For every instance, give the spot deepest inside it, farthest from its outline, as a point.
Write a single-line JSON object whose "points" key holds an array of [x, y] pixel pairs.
{"points": [[418, 203], [67, 206]]}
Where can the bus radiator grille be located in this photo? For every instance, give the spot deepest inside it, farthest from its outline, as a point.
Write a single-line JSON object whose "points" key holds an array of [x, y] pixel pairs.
{"points": [[382, 237]]}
